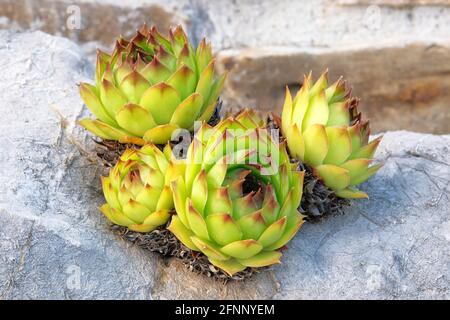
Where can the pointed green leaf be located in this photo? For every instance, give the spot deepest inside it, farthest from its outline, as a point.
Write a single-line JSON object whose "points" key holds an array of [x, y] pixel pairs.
{"points": [[244, 206], [366, 151], [157, 218], [336, 92], [252, 225], [355, 134], [205, 81], [187, 112], [110, 193], [182, 233], [222, 229], [177, 38], [203, 55], [320, 85], [301, 105], [103, 130], [210, 249], [184, 81], [286, 113], [89, 96], [216, 174], [316, 144], [102, 60], [115, 216], [166, 58], [293, 225], [187, 57], [218, 201], [333, 176], [210, 105], [262, 259], [133, 86], [160, 38], [160, 134], [179, 199], [270, 207], [149, 196], [156, 72], [356, 168], [351, 193], [199, 192], [317, 112], [273, 232], [135, 211], [339, 114], [161, 100], [122, 71], [297, 190], [111, 97], [295, 142], [363, 177], [339, 145], [242, 249], [151, 176], [230, 266], [196, 221], [135, 119], [165, 201]]}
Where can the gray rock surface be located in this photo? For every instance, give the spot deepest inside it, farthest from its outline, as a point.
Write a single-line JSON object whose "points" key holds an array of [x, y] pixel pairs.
{"points": [[54, 243]]}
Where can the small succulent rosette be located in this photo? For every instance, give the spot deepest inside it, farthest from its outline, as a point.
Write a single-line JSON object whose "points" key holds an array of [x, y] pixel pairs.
{"points": [[323, 128], [150, 86], [237, 200], [137, 189]]}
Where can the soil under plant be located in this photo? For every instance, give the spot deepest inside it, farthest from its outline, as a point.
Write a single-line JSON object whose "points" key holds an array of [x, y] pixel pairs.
{"points": [[318, 201], [164, 242]]}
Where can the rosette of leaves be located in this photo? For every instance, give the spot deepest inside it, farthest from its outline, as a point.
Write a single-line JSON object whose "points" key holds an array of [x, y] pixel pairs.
{"points": [[323, 129], [237, 200], [137, 189], [150, 86]]}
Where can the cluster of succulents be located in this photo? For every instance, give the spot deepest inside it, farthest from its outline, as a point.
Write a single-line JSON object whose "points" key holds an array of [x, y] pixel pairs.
{"points": [[234, 196]]}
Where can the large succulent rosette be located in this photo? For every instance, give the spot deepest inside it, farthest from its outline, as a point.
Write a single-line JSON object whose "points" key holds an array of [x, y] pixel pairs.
{"points": [[150, 86], [137, 189], [237, 199], [323, 128]]}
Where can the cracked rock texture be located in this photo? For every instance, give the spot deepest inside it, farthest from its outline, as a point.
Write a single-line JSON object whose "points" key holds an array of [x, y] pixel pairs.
{"points": [[54, 243]]}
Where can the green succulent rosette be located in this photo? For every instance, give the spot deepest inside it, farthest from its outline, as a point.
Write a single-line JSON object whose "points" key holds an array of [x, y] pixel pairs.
{"points": [[323, 128], [238, 197], [137, 189], [150, 86]]}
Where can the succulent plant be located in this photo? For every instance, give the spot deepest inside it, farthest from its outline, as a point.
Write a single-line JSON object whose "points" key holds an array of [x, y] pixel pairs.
{"points": [[237, 199], [137, 189], [323, 128], [150, 86]]}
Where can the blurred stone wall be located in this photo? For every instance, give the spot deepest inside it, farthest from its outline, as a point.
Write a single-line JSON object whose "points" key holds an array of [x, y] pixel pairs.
{"points": [[394, 53]]}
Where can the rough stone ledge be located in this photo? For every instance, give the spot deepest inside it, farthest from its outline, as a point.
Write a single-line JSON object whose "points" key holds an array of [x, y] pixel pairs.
{"points": [[398, 90]]}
